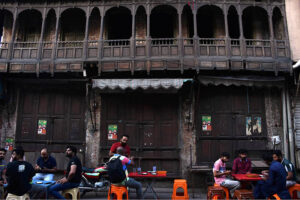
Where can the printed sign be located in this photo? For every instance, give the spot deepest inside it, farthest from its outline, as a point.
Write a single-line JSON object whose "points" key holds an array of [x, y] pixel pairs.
{"points": [[112, 132], [253, 126], [9, 144], [206, 123], [248, 126], [42, 125]]}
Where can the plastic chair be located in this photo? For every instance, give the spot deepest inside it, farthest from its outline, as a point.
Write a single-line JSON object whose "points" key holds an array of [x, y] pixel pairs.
{"points": [[215, 192], [180, 183], [243, 194], [73, 192], [118, 191], [225, 190], [15, 197], [276, 197], [293, 191]]}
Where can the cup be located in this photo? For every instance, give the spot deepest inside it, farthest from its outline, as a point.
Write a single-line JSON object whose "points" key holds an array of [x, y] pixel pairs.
{"points": [[139, 170], [154, 169], [134, 170]]}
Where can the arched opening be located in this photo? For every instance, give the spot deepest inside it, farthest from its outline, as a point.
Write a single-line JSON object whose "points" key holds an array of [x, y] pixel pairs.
{"points": [[255, 23], [118, 23], [141, 23], [72, 25], [6, 23], [233, 23], [164, 22], [29, 24], [50, 25], [278, 25], [187, 22], [210, 22], [94, 25]]}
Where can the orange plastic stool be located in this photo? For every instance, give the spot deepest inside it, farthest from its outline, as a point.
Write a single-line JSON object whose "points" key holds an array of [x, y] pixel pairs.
{"points": [[180, 183], [215, 192], [293, 191], [118, 191], [225, 190]]}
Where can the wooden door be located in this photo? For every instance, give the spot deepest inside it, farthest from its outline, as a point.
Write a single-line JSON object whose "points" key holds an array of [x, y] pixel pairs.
{"points": [[151, 121], [63, 110], [229, 107]]}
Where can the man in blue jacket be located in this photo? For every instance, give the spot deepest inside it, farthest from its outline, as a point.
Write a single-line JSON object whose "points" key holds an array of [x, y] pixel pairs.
{"points": [[274, 183]]}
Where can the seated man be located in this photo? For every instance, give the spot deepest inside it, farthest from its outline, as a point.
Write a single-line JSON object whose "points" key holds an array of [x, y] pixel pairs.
{"points": [[220, 172], [274, 183], [288, 166], [73, 175], [19, 175], [242, 164], [46, 166], [128, 182], [2, 170]]}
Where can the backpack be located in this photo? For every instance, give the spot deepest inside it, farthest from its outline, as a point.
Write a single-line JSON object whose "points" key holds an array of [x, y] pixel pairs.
{"points": [[115, 170]]}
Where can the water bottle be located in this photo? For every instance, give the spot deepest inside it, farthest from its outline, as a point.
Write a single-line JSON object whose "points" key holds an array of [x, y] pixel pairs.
{"points": [[154, 169]]}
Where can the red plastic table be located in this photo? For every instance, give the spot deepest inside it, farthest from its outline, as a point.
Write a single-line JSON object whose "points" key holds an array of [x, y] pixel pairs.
{"points": [[244, 177], [150, 179]]}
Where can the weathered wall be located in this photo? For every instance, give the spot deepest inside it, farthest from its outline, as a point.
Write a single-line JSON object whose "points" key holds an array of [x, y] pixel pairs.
{"points": [[273, 108], [293, 22], [93, 137]]}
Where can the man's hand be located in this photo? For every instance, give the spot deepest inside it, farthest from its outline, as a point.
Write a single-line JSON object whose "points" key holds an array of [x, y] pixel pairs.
{"points": [[37, 167], [227, 172], [131, 157], [264, 178], [248, 173], [62, 181]]}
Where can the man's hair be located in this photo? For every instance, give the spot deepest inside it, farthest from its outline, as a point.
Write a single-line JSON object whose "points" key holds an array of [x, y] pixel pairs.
{"points": [[19, 151], [120, 150], [277, 153], [225, 154], [243, 151], [73, 149], [268, 157], [124, 135], [2, 149]]}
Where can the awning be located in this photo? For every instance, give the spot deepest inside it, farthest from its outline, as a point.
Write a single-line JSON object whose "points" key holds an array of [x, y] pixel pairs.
{"points": [[249, 81], [134, 84]]}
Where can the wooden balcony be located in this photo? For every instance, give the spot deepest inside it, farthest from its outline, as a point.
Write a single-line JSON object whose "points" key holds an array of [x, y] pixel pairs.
{"points": [[147, 54]]}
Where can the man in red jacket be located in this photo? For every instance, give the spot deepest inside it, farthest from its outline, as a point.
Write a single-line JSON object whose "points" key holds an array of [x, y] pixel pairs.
{"points": [[122, 143]]}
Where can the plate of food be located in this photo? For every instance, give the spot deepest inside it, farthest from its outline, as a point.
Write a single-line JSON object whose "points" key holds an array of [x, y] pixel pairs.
{"points": [[144, 173], [253, 175]]}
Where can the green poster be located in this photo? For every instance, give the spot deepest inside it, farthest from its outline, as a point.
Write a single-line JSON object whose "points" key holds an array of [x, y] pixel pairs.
{"points": [[112, 132], [206, 123], [42, 125]]}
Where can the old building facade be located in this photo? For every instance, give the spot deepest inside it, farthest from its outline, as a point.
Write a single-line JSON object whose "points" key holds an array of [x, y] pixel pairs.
{"points": [[185, 80]]}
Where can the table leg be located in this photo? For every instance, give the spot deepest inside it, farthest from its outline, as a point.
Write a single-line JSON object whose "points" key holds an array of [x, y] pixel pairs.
{"points": [[149, 187]]}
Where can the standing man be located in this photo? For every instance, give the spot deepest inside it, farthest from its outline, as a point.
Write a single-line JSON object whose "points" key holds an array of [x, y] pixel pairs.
{"points": [[220, 172], [274, 183], [46, 166], [122, 143], [288, 166], [242, 164], [128, 182], [73, 175], [19, 174]]}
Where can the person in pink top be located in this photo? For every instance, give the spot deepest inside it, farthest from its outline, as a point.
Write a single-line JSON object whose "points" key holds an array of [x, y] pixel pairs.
{"points": [[220, 172]]}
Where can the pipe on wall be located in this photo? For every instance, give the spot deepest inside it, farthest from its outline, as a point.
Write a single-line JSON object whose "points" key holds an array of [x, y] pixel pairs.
{"points": [[290, 129], [284, 120]]}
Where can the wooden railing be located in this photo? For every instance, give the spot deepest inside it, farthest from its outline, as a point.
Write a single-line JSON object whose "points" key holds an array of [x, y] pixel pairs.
{"points": [[148, 47]]}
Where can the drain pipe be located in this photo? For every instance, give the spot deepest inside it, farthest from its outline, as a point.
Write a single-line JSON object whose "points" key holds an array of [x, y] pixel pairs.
{"points": [[284, 119], [290, 128]]}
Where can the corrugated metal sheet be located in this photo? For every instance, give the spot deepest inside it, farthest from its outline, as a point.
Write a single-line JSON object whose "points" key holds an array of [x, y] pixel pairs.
{"points": [[297, 122]]}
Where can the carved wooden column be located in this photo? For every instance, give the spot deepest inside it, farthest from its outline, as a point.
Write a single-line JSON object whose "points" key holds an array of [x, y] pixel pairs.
{"points": [[180, 39], [100, 42], [272, 41], [57, 27], [40, 50], [132, 40], [286, 35], [242, 38], [196, 38], [148, 39], [11, 44], [86, 35], [227, 37]]}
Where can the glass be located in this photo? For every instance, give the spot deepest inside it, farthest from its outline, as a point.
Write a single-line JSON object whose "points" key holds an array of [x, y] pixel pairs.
{"points": [[134, 170], [154, 169], [139, 170]]}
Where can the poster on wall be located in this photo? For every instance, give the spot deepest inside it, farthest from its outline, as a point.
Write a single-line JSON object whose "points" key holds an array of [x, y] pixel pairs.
{"points": [[112, 132], [206, 123], [248, 126], [9, 144], [42, 127], [256, 126]]}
